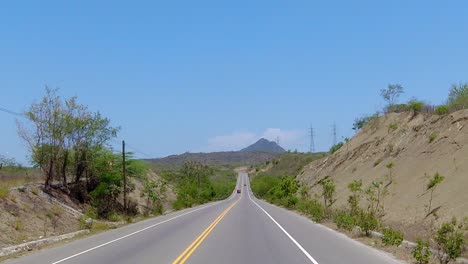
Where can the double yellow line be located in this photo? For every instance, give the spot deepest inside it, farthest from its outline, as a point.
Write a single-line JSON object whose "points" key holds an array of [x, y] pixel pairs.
{"points": [[196, 243]]}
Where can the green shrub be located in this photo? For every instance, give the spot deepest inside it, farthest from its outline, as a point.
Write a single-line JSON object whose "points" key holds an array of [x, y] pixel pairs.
{"points": [[393, 127], [397, 108], [458, 96], [292, 201], [368, 222], [422, 253], [114, 217], [99, 226], [450, 242], [4, 191], [442, 110], [432, 137], [261, 185], [392, 237], [363, 121], [336, 147], [311, 208], [344, 220], [416, 105], [85, 222], [19, 225], [90, 212]]}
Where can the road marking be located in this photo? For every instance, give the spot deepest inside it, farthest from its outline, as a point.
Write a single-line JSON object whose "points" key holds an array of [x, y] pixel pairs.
{"points": [[141, 230], [197, 242], [284, 231]]}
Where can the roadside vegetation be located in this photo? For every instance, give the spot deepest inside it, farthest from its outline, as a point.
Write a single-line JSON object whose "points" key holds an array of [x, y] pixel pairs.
{"points": [[365, 209], [196, 183]]}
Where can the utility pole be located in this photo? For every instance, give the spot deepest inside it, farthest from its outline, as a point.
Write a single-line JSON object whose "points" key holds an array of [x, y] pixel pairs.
{"points": [[312, 143], [124, 177]]}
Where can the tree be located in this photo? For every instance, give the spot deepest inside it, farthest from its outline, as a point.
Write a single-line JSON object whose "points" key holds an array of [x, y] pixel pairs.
{"points": [[65, 138], [154, 193], [391, 94], [356, 189], [431, 186], [458, 96], [376, 193], [328, 191]]}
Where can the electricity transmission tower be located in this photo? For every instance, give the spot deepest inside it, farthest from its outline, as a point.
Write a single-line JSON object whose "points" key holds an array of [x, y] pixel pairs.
{"points": [[334, 134], [312, 143]]}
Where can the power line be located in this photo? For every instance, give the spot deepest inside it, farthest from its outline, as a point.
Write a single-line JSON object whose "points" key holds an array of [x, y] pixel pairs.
{"points": [[135, 150], [11, 112]]}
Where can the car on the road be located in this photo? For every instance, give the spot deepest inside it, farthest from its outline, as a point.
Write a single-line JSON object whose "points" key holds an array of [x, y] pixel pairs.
{"points": [[238, 190]]}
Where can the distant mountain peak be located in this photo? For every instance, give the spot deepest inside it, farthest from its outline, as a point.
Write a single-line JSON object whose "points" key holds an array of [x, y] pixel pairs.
{"points": [[264, 145]]}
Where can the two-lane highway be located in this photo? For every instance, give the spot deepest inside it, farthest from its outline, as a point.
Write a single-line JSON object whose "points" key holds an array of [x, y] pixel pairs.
{"points": [[240, 229]]}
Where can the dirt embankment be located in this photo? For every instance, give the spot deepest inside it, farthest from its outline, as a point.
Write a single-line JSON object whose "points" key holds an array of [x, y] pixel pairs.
{"points": [[27, 213], [419, 146]]}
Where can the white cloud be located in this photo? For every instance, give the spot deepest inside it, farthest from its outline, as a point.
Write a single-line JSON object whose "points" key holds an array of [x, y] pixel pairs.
{"points": [[285, 137], [233, 141], [289, 139]]}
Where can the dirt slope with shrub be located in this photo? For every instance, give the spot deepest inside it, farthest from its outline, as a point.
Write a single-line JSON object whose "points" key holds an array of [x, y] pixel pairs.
{"points": [[26, 214], [419, 146]]}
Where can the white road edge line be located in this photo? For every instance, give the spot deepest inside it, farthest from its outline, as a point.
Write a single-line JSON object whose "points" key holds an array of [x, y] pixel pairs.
{"points": [[284, 231], [139, 231]]}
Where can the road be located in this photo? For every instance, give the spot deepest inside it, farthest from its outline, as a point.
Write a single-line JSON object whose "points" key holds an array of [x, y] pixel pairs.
{"points": [[240, 229]]}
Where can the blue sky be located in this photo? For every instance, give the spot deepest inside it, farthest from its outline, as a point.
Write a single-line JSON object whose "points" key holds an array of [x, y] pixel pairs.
{"points": [[216, 75]]}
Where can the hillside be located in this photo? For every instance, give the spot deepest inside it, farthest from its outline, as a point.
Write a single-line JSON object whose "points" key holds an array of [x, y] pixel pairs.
{"points": [[264, 145], [232, 158], [419, 146], [286, 164]]}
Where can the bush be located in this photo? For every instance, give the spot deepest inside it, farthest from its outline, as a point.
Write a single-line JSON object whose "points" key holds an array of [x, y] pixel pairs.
{"points": [[4, 191], [115, 217], [344, 220], [311, 208], [442, 110], [393, 126], [450, 242], [336, 147], [422, 252], [458, 96], [416, 105], [99, 226], [392, 237], [363, 121], [86, 222], [432, 137], [397, 108], [368, 222]]}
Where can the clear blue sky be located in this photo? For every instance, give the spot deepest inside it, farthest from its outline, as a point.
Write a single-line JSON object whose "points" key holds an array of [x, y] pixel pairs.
{"points": [[213, 75]]}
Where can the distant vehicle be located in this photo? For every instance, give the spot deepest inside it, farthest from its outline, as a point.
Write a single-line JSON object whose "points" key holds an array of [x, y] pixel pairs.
{"points": [[238, 191], [245, 184]]}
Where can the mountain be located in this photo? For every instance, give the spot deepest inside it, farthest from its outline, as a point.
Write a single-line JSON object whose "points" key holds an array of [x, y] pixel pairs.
{"points": [[264, 145], [228, 158]]}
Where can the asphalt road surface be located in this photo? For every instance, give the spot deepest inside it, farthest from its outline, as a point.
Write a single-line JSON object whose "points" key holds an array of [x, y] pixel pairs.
{"points": [[240, 229]]}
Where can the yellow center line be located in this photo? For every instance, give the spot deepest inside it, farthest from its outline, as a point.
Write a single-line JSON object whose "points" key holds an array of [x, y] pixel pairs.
{"points": [[196, 243]]}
